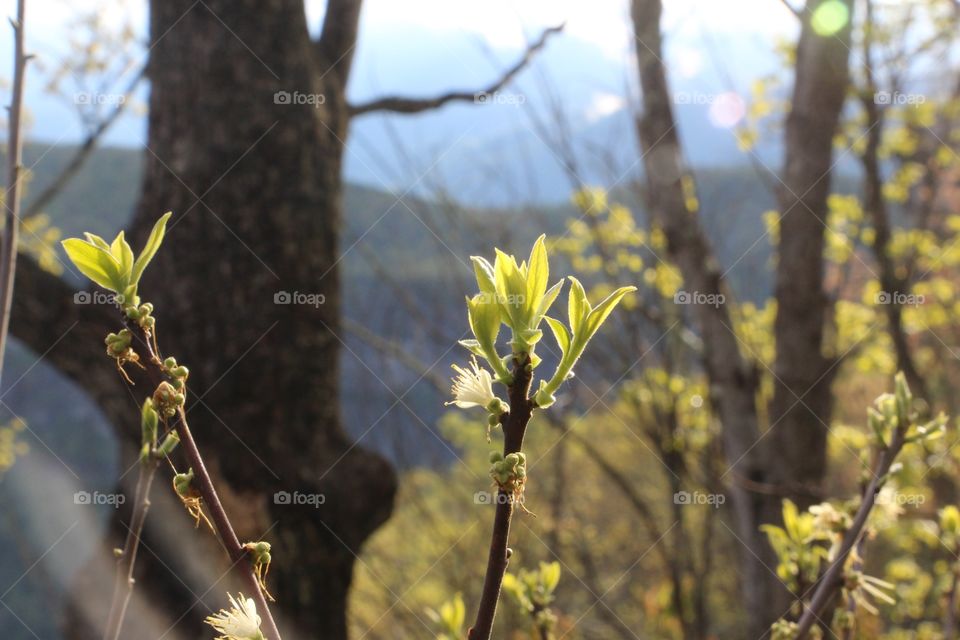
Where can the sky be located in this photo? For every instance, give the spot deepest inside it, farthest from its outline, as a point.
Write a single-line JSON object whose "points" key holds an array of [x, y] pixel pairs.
{"points": [[499, 26]]}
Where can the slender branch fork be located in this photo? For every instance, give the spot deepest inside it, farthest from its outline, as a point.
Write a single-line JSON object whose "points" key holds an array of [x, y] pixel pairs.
{"points": [[514, 427], [239, 557], [832, 578], [8, 250], [123, 583]]}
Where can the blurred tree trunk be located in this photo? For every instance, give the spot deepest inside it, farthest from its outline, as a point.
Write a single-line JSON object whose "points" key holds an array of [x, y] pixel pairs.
{"points": [[791, 463], [802, 402], [254, 184]]}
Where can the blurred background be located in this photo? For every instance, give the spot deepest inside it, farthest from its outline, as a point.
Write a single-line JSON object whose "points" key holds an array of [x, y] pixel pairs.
{"points": [[788, 212]]}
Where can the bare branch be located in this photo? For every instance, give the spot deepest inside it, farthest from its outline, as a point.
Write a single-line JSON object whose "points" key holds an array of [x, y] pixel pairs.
{"points": [[123, 585], [82, 153], [338, 38], [8, 252], [399, 104]]}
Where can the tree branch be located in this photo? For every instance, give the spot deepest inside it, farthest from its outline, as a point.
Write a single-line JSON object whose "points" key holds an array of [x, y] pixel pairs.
{"points": [[832, 578], [8, 252], [239, 558], [514, 428], [399, 104], [876, 205], [83, 152], [338, 37], [123, 584]]}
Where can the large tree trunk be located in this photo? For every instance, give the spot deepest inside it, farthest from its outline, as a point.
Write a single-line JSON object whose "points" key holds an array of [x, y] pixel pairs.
{"points": [[733, 381], [791, 462], [801, 407], [254, 184]]}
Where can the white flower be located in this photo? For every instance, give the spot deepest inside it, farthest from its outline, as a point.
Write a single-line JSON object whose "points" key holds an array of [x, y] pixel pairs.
{"points": [[472, 387], [240, 622]]}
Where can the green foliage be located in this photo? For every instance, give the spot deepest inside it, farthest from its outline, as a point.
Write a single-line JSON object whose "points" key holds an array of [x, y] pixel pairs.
{"points": [[449, 618], [113, 266], [533, 591]]}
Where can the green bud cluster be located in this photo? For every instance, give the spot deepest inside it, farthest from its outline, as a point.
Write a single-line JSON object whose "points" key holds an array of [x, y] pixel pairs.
{"points": [[260, 551], [141, 315], [168, 399], [508, 472], [183, 484], [118, 344], [179, 373], [897, 411]]}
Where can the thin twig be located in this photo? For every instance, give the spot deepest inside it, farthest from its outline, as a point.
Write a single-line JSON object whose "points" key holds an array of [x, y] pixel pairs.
{"points": [[8, 251], [239, 557], [123, 584], [80, 156], [514, 428], [832, 578], [398, 104]]}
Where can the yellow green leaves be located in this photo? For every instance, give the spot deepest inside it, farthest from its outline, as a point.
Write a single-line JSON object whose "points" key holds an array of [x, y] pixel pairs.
{"points": [[533, 589], [148, 428], [96, 263], [584, 320], [519, 291], [113, 266], [150, 249], [895, 411], [516, 294], [484, 316], [449, 618]]}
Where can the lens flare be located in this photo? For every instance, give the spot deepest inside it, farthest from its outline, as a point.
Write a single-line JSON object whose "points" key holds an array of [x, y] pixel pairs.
{"points": [[830, 17], [727, 110]]}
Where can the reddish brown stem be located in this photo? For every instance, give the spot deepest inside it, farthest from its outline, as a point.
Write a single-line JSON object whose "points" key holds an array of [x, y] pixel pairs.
{"points": [[240, 559], [514, 428]]}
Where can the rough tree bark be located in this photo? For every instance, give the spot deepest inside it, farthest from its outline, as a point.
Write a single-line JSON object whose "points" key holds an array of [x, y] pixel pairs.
{"points": [[255, 187], [254, 183]]}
